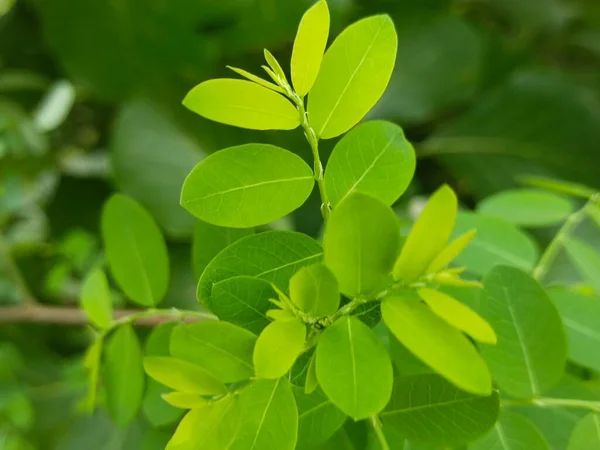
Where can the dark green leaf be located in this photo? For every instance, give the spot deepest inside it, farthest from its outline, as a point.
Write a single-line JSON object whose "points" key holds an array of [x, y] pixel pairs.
{"points": [[586, 261], [512, 432]]}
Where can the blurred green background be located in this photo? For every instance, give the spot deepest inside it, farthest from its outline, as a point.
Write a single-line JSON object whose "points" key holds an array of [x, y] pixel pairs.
{"points": [[90, 102]]}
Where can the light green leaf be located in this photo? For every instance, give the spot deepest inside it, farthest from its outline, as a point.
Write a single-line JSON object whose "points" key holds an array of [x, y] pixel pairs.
{"points": [[270, 417], [375, 159], [586, 260], [247, 185], [273, 256], [512, 432], [123, 375], [136, 250], [428, 236], [209, 240], [243, 301], [558, 186], [361, 243], [220, 348], [318, 418], [428, 409], [450, 252], [405, 362], [350, 356], [438, 344], [92, 361], [309, 46], [354, 74], [275, 67], [496, 242], [580, 314], [586, 435], [314, 289], [185, 400], [531, 352], [96, 300], [210, 427], [527, 207], [182, 376], [311, 382], [278, 347], [257, 80], [458, 315], [242, 104]]}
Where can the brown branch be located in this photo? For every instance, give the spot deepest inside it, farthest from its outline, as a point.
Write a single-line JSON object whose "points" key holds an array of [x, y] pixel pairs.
{"points": [[37, 313]]}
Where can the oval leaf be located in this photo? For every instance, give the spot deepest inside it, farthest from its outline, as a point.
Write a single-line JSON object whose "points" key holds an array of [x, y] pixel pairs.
{"points": [[428, 235], [318, 418], [586, 435], [182, 376], [273, 256], [496, 242], [361, 243], [458, 315], [531, 352], [242, 104], [277, 348], [350, 356], [247, 185], [512, 432], [96, 299], [314, 289], [439, 345], [123, 375], [354, 74], [220, 348], [375, 159], [185, 400], [428, 409], [135, 250], [527, 207], [586, 261]]}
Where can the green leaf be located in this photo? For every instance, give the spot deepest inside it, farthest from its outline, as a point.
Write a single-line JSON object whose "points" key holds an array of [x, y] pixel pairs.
{"points": [[92, 362], [96, 300], [209, 240], [559, 186], [375, 159], [314, 289], [136, 250], [428, 236], [242, 104], [580, 314], [247, 185], [527, 207], [222, 349], [278, 347], [512, 432], [531, 352], [586, 435], [450, 252], [275, 67], [209, 427], [182, 376], [428, 409], [309, 46], [350, 356], [586, 261], [354, 74], [243, 301], [123, 375], [438, 344], [496, 242], [185, 400], [458, 315], [270, 417], [273, 256], [405, 362], [318, 418], [311, 382], [257, 80], [361, 243]]}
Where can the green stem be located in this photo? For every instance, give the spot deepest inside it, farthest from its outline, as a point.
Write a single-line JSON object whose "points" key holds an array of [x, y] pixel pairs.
{"points": [[379, 432], [547, 402]]}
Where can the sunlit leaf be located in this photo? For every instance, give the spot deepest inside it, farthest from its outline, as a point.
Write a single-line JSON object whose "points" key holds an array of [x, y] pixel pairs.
{"points": [[311, 376], [182, 376], [96, 299], [309, 46], [354, 73], [247, 185], [185, 400], [275, 67], [451, 251], [586, 260], [350, 356], [277, 348], [361, 243], [242, 104], [512, 432], [257, 80], [314, 289], [586, 435], [375, 159]]}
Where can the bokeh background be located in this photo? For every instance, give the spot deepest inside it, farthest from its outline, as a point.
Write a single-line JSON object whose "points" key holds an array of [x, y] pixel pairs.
{"points": [[90, 103]]}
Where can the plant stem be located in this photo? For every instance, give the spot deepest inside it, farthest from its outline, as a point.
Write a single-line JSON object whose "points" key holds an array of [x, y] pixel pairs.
{"points": [[547, 402], [379, 432], [14, 272]]}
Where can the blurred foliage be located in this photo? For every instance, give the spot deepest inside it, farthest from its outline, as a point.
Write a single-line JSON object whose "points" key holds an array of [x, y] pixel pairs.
{"points": [[90, 102]]}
